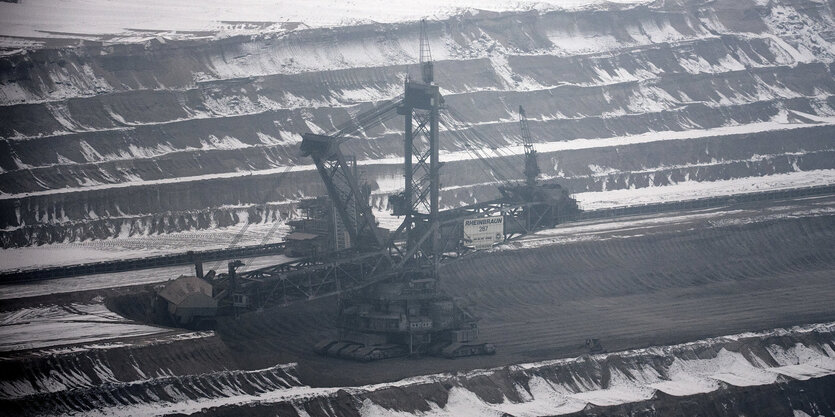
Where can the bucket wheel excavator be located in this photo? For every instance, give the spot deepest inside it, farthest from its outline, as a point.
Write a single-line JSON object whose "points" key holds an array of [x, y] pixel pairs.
{"points": [[387, 282]]}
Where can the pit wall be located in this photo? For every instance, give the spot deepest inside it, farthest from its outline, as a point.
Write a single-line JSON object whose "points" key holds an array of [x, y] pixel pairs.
{"points": [[157, 370], [777, 373], [783, 372], [221, 202], [100, 141]]}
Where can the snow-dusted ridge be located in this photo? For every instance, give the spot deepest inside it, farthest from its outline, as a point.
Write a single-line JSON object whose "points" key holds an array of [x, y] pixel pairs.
{"points": [[564, 386], [40, 327], [97, 121], [645, 85], [125, 22], [465, 155]]}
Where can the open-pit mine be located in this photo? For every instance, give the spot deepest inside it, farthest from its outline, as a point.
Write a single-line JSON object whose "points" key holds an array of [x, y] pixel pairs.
{"points": [[502, 209]]}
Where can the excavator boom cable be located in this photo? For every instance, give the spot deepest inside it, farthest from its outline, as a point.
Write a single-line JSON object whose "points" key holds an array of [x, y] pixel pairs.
{"points": [[470, 136], [476, 152], [377, 114], [531, 164]]}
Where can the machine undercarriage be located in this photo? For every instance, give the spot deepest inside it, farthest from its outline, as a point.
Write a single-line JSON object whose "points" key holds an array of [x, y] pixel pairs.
{"points": [[404, 318]]}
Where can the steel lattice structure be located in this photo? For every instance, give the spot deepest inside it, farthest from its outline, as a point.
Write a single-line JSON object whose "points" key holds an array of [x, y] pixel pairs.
{"points": [[426, 237], [342, 185]]}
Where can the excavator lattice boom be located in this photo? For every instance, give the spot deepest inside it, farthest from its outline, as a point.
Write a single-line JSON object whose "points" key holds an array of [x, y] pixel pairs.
{"points": [[531, 165]]}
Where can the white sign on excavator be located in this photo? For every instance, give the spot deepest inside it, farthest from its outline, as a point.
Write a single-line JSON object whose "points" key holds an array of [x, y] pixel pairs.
{"points": [[483, 232]]}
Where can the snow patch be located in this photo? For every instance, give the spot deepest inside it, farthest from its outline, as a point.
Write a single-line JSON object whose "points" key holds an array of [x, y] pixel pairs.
{"points": [[691, 190]]}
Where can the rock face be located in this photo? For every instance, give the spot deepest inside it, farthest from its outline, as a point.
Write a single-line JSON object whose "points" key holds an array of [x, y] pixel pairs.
{"points": [[785, 372], [105, 141]]}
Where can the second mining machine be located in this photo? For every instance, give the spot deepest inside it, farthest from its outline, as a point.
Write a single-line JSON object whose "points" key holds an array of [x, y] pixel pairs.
{"points": [[547, 199]]}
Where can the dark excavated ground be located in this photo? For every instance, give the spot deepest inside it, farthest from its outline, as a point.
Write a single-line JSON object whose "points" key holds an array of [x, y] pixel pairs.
{"points": [[632, 282], [633, 287]]}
